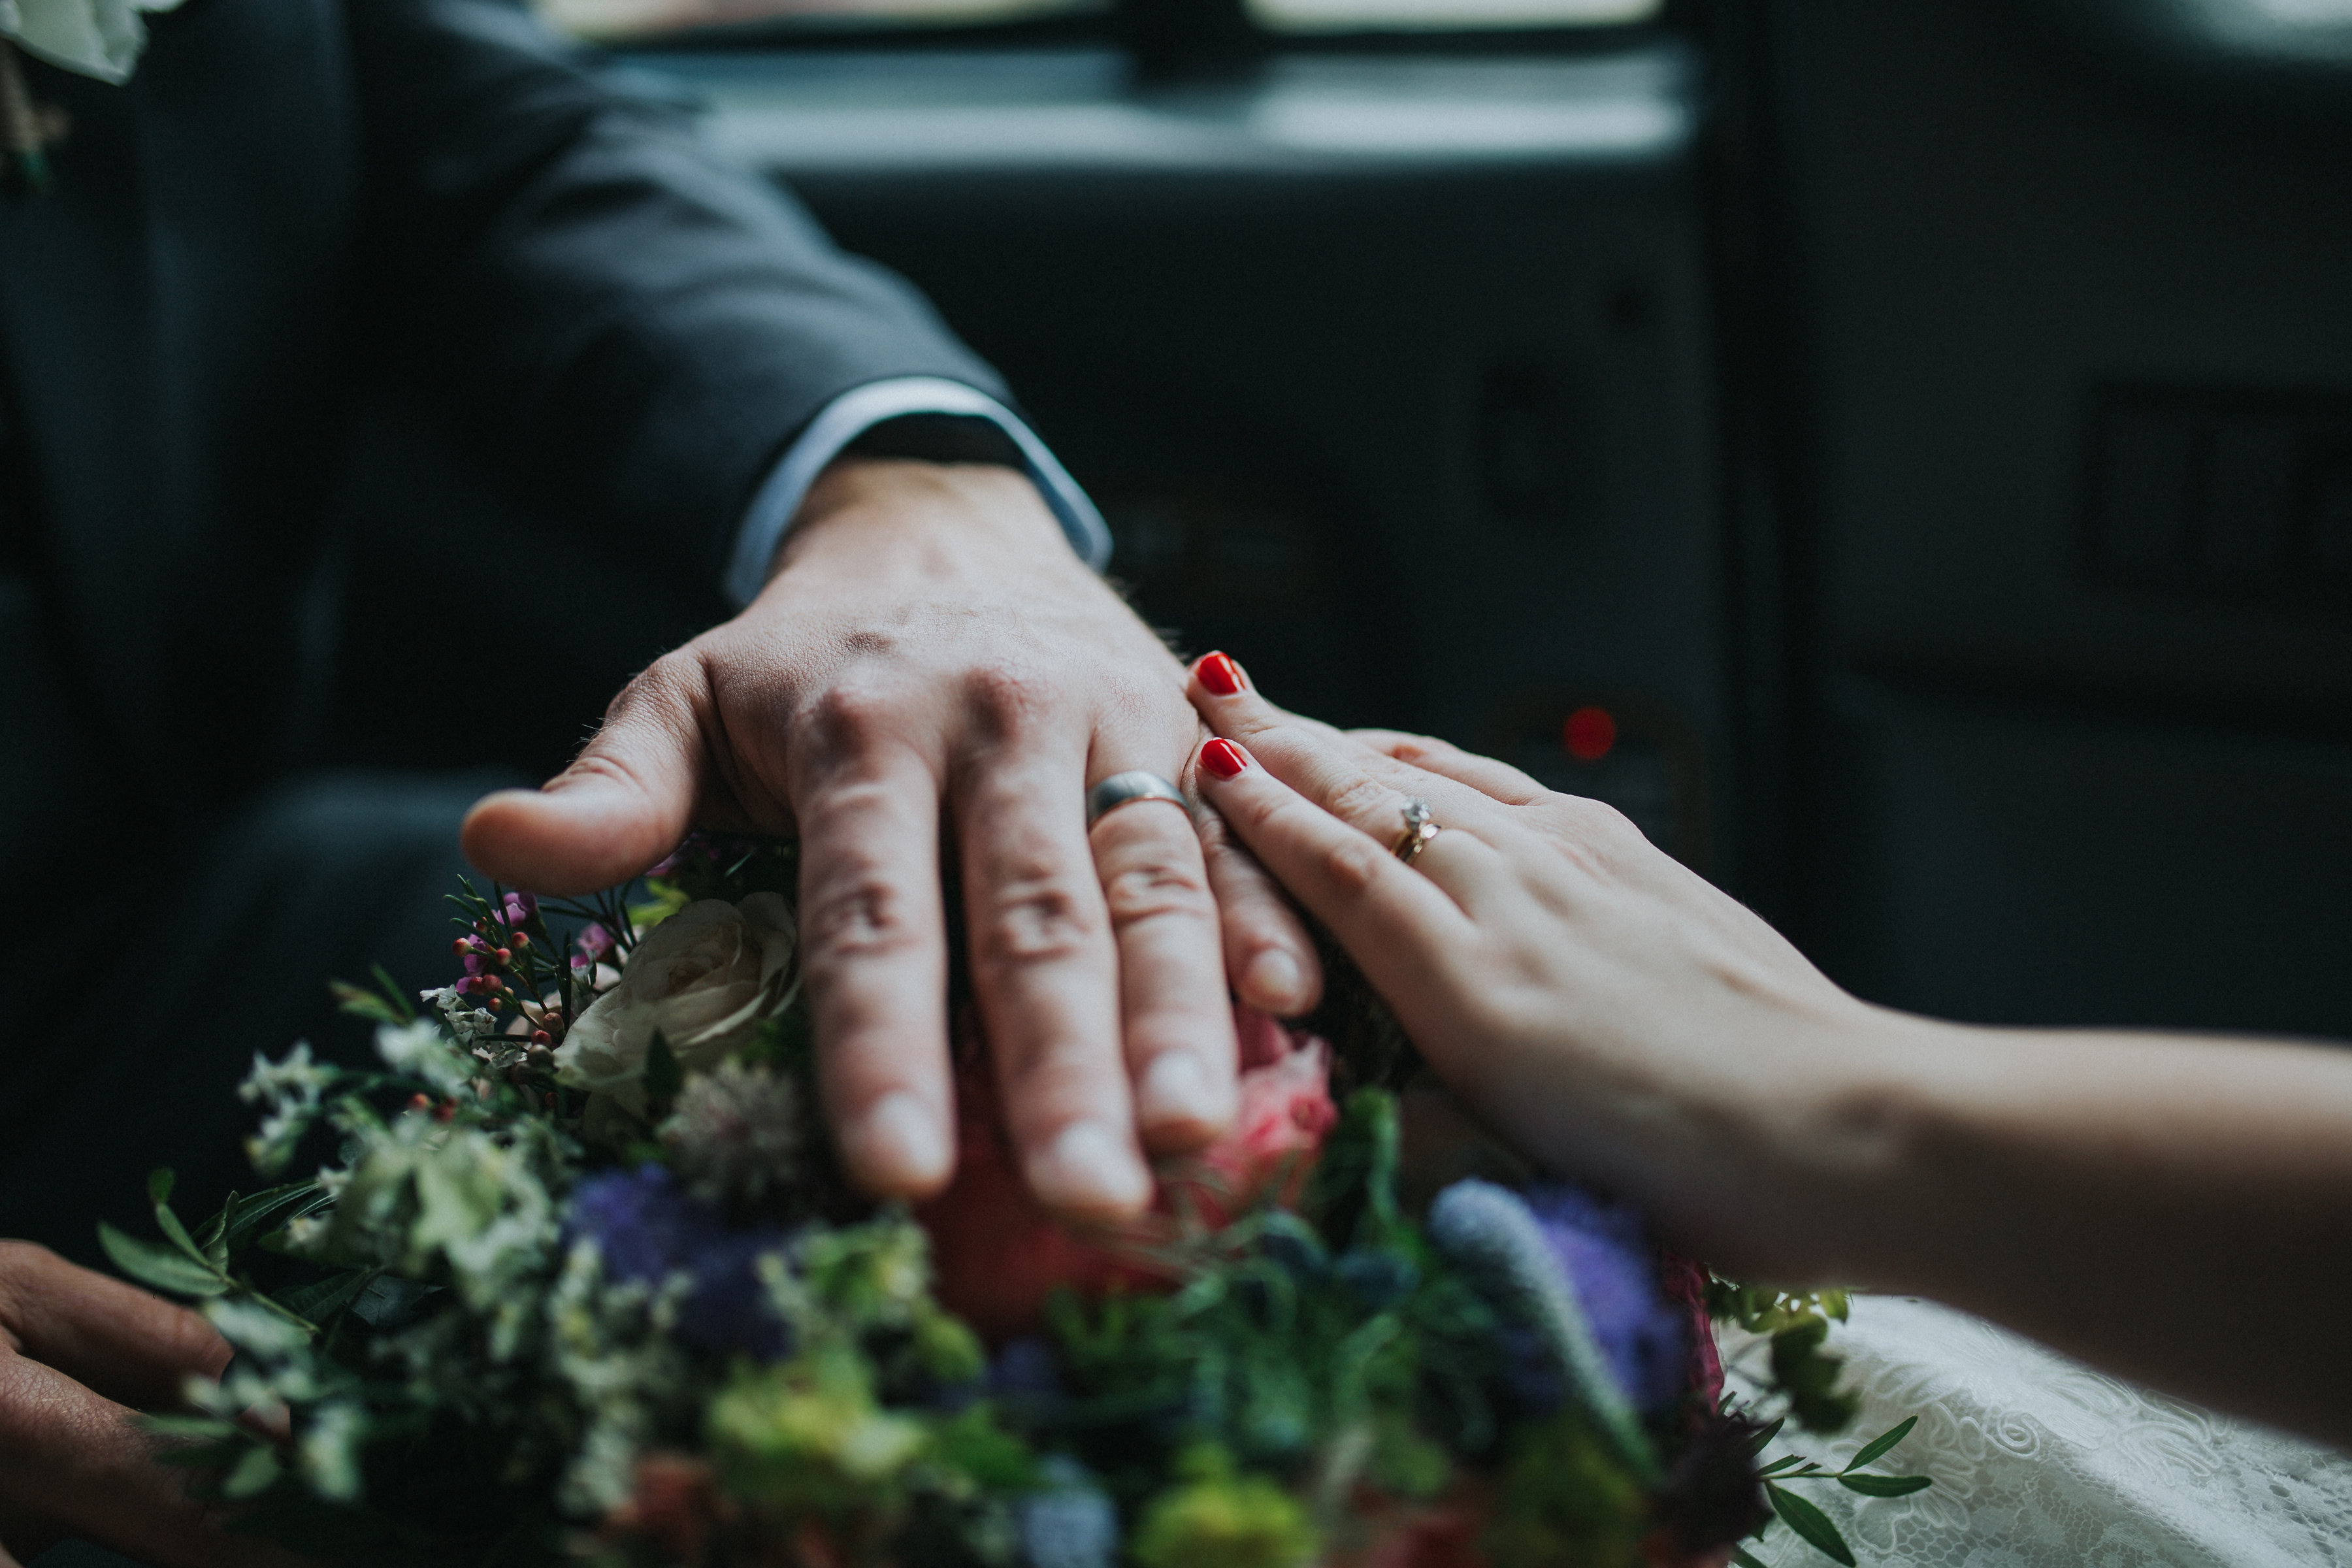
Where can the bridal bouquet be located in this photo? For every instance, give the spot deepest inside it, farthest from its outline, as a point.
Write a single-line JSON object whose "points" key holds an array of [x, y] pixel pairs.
{"points": [[581, 1280]]}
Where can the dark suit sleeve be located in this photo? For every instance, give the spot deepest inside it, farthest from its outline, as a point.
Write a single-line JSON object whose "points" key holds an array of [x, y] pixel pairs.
{"points": [[625, 322]]}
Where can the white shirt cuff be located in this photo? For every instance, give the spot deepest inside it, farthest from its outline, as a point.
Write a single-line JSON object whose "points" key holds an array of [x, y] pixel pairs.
{"points": [[858, 410]]}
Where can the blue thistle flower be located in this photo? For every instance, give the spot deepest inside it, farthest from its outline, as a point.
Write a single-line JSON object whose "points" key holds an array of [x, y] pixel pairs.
{"points": [[647, 1228], [1495, 1236]]}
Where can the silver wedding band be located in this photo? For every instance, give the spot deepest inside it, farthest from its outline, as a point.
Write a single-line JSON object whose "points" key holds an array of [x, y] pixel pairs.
{"points": [[1126, 789]]}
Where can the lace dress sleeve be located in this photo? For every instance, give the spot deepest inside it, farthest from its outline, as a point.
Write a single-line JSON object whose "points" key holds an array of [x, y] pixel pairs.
{"points": [[2040, 1462]]}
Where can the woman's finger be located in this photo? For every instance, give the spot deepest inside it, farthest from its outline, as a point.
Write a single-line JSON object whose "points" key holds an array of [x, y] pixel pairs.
{"points": [[1399, 925], [1268, 954], [1485, 774], [1354, 785]]}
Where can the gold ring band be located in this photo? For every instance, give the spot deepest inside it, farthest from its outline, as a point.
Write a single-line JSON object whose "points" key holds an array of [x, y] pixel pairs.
{"points": [[1420, 827]]}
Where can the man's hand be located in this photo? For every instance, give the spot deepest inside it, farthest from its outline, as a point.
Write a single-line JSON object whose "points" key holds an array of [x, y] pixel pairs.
{"points": [[932, 663], [78, 1352]]}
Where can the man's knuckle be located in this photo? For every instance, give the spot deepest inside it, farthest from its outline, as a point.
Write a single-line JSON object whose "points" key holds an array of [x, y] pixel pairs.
{"points": [[852, 717], [1007, 696], [1036, 919], [861, 916], [1156, 887]]}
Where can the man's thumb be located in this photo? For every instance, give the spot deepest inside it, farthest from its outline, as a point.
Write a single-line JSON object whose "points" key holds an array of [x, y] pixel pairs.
{"points": [[624, 801]]}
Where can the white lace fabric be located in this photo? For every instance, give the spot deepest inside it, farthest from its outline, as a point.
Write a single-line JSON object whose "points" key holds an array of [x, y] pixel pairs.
{"points": [[2040, 1462]]}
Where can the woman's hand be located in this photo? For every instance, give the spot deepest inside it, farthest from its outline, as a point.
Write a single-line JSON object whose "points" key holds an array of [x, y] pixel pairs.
{"points": [[78, 1352], [2175, 1209], [1604, 1008]]}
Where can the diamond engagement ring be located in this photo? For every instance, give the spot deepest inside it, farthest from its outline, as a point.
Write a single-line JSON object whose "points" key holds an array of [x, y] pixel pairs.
{"points": [[1420, 827], [1125, 789]]}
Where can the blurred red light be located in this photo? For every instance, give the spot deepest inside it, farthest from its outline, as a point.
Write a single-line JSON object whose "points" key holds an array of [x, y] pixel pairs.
{"points": [[1588, 733]]}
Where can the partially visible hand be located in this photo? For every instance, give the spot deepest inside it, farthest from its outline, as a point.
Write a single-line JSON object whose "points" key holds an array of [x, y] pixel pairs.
{"points": [[932, 660], [1598, 1004], [79, 1354]]}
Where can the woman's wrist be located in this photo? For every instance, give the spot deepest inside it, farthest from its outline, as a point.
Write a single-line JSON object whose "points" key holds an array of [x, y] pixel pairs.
{"points": [[1804, 1149]]}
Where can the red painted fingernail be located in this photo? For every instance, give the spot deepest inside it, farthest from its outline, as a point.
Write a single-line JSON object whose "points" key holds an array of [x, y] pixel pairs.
{"points": [[1224, 759], [1221, 675]]}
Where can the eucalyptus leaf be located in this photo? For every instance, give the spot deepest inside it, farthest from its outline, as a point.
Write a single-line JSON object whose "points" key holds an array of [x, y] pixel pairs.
{"points": [[1886, 1486], [1782, 1463], [158, 1186], [1879, 1445], [161, 1267], [1812, 1523]]}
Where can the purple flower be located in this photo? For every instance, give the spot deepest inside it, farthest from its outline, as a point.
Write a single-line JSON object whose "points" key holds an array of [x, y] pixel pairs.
{"points": [[1555, 1261], [520, 908], [647, 1227], [595, 942], [1602, 1251]]}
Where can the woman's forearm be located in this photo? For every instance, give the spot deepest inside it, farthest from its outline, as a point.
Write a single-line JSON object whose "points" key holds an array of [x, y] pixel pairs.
{"points": [[2173, 1208]]}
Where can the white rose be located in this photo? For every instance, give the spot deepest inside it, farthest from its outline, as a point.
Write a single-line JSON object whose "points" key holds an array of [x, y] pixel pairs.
{"points": [[100, 38], [705, 978]]}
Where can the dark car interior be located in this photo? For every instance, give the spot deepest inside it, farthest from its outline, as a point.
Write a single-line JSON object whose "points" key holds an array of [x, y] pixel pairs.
{"points": [[1900, 455]]}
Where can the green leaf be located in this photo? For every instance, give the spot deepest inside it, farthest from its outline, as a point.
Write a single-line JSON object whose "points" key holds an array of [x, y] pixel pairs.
{"points": [[211, 1456], [1745, 1559], [189, 1428], [393, 994], [158, 1186], [322, 1300], [1881, 1444], [267, 1211], [1756, 1444], [212, 1238], [254, 1474], [357, 1002], [1886, 1486], [1782, 1463], [177, 1234], [1812, 1523], [160, 1267]]}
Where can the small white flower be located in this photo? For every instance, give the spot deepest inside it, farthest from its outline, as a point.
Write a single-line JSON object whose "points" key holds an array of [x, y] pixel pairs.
{"points": [[100, 38], [419, 1051], [296, 1077]]}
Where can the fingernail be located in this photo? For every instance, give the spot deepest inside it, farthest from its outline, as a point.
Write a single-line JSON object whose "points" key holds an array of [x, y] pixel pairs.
{"points": [[1089, 1167], [901, 1142], [1225, 759], [1274, 982], [1175, 1088], [1221, 675]]}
